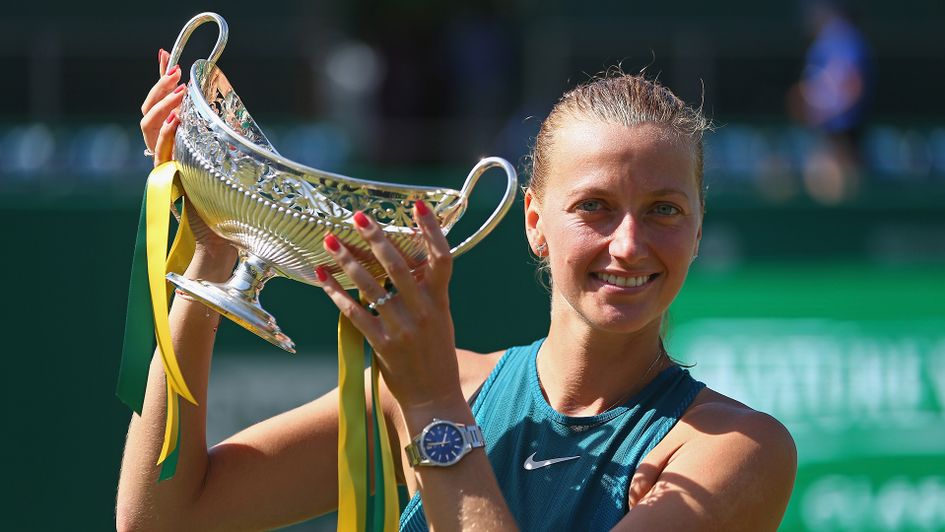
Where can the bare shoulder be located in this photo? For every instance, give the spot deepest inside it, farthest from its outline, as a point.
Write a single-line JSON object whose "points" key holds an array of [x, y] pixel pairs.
{"points": [[754, 446], [474, 368], [724, 465], [713, 415]]}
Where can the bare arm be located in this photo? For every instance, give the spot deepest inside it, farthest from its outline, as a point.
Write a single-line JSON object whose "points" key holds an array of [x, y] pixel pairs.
{"points": [[735, 473], [141, 499]]}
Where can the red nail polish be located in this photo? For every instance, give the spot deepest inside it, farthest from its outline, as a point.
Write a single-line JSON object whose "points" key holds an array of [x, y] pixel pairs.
{"points": [[174, 70], [321, 274], [180, 88], [332, 243], [361, 220], [160, 54], [422, 208], [171, 117]]}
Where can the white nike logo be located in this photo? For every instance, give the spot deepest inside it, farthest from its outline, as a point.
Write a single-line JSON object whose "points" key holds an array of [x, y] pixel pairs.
{"points": [[532, 464]]}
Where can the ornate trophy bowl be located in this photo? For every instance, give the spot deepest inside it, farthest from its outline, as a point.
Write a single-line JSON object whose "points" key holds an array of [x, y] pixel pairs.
{"points": [[277, 212]]}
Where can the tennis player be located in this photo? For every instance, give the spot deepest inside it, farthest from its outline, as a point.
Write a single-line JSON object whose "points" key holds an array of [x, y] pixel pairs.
{"points": [[593, 427]]}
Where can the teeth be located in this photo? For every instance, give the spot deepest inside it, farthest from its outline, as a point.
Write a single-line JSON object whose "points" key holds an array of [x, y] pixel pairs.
{"points": [[623, 281]]}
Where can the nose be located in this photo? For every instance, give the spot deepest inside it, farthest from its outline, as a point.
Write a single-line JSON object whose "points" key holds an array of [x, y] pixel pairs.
{"points": [[628, 242]]}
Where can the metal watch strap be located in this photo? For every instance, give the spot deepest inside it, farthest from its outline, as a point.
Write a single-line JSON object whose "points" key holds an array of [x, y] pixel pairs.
{"points": [[473, 436], [413, 454]]}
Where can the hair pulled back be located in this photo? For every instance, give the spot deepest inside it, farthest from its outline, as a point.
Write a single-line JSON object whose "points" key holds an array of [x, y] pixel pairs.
{"points": [[624, 99]]}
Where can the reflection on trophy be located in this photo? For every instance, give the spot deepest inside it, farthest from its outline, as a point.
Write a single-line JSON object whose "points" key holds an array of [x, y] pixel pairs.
{"points": [[277, 212]]}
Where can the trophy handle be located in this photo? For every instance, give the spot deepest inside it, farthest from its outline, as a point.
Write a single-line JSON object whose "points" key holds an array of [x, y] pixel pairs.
{"points": [[500, 210], [189, 28]]}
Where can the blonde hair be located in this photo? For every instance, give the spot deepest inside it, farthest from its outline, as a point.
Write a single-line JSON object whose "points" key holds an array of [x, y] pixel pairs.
{"points": [[623, 99]]}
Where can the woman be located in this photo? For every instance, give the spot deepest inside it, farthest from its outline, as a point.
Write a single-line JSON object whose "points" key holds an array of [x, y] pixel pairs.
{"points": [[593, 427]]}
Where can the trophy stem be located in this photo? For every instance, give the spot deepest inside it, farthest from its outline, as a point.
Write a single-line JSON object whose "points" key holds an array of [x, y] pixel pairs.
{"points": [[249, 277], [238, 298]]}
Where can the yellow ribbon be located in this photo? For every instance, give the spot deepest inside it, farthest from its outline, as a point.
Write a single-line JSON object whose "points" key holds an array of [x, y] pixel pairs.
{"points": [[352, 437], [353, 511], [163, 189]]}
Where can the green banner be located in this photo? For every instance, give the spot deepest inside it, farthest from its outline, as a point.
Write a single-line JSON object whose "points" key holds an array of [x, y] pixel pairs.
{"points": [[865, 401]]}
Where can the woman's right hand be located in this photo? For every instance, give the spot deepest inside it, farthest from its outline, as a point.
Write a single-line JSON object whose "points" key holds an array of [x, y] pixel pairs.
{"points": [[159, 110], [159, 126]]}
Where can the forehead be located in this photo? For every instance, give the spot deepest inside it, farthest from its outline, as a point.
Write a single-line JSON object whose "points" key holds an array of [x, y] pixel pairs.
{"points": [[587, 152]]}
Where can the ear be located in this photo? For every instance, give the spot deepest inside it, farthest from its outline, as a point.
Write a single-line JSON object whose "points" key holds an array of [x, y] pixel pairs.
{"points": [[533, 221]]}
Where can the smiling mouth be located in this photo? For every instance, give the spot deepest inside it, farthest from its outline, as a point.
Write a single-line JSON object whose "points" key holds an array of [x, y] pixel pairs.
{"points": [[629, 282]]}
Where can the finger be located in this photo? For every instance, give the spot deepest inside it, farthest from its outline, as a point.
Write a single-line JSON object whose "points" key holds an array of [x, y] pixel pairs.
{"points": [[164, 148], [440, 261], [163, 59], [161, 89], [364, 281], [390, 258], [153, 121], [351, 309]]}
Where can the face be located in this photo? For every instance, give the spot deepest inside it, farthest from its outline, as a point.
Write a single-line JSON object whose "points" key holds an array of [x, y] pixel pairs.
{"points": [[621, 217]]}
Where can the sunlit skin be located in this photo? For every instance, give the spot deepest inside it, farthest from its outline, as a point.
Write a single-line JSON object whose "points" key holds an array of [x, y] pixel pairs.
{"points": [[622, 201], [619, 201]]}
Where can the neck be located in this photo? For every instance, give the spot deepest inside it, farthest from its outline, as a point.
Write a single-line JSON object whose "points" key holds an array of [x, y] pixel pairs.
{"points": [[585, 371]]}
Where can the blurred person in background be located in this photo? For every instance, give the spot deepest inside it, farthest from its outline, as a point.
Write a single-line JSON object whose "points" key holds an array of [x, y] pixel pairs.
{"points": [[831, 98], [594, 427]]}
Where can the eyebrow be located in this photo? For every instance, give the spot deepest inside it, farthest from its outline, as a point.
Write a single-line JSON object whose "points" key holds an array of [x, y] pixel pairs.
{"points": [[669, 191], [600, 191]]}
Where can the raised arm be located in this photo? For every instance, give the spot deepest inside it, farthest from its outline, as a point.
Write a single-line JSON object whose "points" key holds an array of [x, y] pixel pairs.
{"points": [[276, 472], [412, 334]]}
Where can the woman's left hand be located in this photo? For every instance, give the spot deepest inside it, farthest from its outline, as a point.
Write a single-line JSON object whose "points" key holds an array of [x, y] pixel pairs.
{"points": [[412, 332]]}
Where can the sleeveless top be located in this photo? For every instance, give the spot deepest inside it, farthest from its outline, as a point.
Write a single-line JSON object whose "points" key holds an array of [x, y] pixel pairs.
{"points": [[560, 472]]}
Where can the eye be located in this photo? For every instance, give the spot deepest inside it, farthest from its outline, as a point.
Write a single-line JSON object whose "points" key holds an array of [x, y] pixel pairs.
{"points": [[666, 209], [589, 206]]}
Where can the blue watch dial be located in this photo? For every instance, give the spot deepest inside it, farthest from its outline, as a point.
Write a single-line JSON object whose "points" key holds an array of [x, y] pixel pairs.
{"points": [[443, 443]]}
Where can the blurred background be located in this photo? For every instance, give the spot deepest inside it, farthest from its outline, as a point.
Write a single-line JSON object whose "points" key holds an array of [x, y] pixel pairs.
{"points": [[817, 295]]}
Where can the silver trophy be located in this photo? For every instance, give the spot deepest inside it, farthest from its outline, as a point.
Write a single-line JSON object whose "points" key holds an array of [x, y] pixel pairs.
{"points": [[276, 211]]}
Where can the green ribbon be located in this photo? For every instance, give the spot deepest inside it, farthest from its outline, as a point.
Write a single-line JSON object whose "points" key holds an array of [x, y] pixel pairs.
{"points": [[138, 344]]}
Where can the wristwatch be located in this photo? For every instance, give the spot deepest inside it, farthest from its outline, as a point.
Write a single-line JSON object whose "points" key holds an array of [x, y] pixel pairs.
{"points": [[443, 443]]}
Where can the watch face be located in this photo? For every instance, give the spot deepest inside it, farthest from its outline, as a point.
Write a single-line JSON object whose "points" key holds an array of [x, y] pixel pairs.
{"points": [[443, 443]]}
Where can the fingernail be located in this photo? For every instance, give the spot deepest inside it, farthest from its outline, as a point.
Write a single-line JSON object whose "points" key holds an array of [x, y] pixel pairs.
{"points": [[180, 88], [160, 54], [332, 243], [422, 208], [174, 70], [361, 220], [321, 274], [171, 117]]}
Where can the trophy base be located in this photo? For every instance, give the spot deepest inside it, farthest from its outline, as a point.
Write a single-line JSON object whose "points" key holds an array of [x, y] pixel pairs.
{"points": [[235, 305]]}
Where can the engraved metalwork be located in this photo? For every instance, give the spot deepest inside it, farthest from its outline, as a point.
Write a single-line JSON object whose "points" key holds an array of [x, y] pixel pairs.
{"points": [[277, 212]]}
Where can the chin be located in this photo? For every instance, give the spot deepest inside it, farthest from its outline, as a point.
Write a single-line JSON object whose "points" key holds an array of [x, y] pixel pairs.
{"points": [[618, 321]]}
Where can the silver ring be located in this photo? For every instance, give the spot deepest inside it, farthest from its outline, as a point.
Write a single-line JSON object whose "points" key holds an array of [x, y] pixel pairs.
{"points": [[381, 300], [148, 152]]}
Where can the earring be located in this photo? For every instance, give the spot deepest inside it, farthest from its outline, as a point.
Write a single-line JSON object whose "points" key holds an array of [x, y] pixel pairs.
{"points": [[540, 249]]}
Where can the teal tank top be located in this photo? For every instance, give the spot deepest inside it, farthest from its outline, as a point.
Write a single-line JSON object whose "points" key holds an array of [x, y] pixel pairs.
{"points": [[559, 472]]}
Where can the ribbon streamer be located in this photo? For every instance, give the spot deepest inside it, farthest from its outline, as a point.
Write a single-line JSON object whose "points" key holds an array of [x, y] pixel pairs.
{"points": [[352, 437], [149, 290], [357, 511], [386, 501]]}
